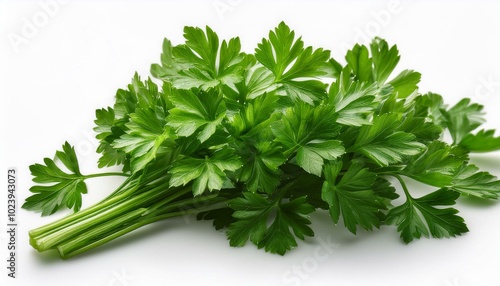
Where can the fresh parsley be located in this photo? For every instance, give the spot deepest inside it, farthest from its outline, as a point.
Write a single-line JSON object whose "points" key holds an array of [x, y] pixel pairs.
{"points": [[256, 142]]}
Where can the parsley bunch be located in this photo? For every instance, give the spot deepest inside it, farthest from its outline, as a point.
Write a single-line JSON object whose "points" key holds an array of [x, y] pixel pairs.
{"points": [[257, 142]]}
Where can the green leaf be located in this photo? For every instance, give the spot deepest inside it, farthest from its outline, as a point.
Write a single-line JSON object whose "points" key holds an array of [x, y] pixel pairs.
{"points": [[436, 165], [202, 61], [384, 59], [252, 213], [463, 118], [254, 117], [112, 156], [424, 130], [378, 67], [107, 132], [309, 131], [391, 104], [58, 188], [406, 83], [111, 123], [420, 217], [311, 156], [309, 91], [147, 137], [303, 123], [294, 66], [260, 170], [382, 143], [333, 68], [140, 94], [257, 80], [384, 190], [207, 174], [360, 63], [353, 101], [352, 197], [431, 106], [290, 217], [468, 180], [482, 141], [196, 111], [105, 119]]}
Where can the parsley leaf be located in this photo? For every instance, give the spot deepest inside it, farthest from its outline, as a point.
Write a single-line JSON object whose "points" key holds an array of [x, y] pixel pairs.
{"points": [[468, 180], [222, 218], [260, 170], [424, 130], [446, 166], [419, 217], [378, 67], [196, 111], [360, 62], [405, 83], [146, 137], [111, 123], [309, 131], [312, 156], [352, 197], [202, 61], [206, 173], [383, 144], [60, 188], [252, 213], [353, 101], [384, 59], [294, 66], [463, 118], [431, 106], [107, 133], [482, 141], [257, 81], [436, 165], [252, 120]]}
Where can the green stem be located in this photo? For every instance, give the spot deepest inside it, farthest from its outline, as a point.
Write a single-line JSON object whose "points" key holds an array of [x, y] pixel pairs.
{"points": [[83, 214], [105, 175], [81, 241], [123, 225], [104, 213], [141, 199], [123, 192], [403, 185], [184, 205]]}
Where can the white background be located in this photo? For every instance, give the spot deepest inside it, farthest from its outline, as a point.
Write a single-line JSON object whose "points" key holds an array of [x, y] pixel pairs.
{"points": [[59, 62]]}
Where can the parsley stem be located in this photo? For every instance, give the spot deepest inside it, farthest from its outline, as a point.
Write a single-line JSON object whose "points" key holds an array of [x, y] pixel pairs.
{"points": [[140, 200], [76, 227], [67, 247], [107, 174], [70, 249], [403, 185], [130, 222], [84, 213], [126, 189]]}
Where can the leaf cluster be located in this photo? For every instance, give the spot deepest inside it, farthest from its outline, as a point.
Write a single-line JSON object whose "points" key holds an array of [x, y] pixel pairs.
{"points": [[285, 131]]}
